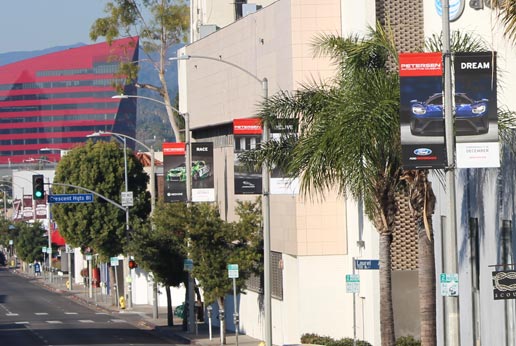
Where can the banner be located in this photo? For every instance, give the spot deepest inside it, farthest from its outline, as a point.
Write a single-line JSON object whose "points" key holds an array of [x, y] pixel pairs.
{"points": [[421, 110], [174, 169], [476, 119], [203, 184], [247, 135], [174, 162]]}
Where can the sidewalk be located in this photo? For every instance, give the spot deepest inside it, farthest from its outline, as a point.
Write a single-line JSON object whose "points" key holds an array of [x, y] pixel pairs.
{"points": [[174, 333]]}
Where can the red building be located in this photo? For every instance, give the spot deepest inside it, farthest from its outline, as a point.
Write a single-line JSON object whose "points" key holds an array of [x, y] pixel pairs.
{"points": [[56, 100]]}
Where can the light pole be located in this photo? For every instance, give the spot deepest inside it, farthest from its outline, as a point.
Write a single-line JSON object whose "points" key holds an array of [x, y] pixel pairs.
{"points": [[152, 189], [188, 182], [265, 196]]}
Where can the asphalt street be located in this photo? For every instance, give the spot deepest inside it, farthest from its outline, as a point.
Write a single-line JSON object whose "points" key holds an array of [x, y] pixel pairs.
{"points": [[31, 315]]}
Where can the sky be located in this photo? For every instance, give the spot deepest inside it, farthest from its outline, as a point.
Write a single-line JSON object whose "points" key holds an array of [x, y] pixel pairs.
{"points": [[28, 25]]}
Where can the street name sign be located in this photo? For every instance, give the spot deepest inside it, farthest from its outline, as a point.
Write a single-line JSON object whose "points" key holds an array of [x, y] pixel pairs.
{"points": [[367, 264], [71, 198]]}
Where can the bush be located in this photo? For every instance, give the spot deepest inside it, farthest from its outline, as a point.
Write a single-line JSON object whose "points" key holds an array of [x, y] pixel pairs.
{"points": [[327, 341], [407, 341]]}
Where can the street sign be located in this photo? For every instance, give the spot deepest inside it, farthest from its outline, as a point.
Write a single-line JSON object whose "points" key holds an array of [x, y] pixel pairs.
{"points": [[449, 285], [352, 283], [68, 249], [89, 257], [71, 198], [233, 271], [44, 249], [365, 264], [113, 261], [49, 250], [188, 265], [127, 199]]}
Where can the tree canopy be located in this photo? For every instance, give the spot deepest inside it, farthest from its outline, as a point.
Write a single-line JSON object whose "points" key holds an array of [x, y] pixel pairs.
{"points": [[99, 167], [159, 24]]}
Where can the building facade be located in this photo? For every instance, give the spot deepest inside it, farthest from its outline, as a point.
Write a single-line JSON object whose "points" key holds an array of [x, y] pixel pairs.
{"points": [[55, 100], [313, 243]]}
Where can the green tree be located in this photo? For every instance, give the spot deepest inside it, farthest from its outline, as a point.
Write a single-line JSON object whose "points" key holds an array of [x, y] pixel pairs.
{"points": [[30, 238], [99, 166], [162, 249], [216, 243], [167, 24]]}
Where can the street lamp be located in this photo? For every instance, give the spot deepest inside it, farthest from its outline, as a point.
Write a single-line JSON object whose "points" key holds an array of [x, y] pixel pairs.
{"points": [[265, 196], [188, 159]]}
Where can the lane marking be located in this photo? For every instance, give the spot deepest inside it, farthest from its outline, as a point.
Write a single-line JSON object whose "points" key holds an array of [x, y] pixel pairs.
{"points": [[11, 314], [54, 322], [71, 313], [118, 321], [22, 322], [86, 321], [41, 313]]}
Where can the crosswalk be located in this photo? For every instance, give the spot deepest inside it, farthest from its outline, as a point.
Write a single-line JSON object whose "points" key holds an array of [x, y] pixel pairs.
{"points": [[68, 317]]}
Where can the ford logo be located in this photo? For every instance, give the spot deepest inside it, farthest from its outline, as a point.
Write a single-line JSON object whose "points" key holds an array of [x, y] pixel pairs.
{"points": [[423, 151]]}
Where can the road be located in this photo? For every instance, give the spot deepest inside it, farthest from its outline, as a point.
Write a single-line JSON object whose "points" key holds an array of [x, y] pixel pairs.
{"points": [[31, 315]]}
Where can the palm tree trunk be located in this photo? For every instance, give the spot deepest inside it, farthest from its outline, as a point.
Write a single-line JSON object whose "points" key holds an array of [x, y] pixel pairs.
{"points": [[426, 288], [386, 312]]}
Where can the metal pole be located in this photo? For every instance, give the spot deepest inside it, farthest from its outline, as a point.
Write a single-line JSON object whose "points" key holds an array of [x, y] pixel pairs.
{"points": [[70, 270], [153, 205], [191, 281], [128, 284], [235, 315], [451, 304], [266, 230], [354, 308]]}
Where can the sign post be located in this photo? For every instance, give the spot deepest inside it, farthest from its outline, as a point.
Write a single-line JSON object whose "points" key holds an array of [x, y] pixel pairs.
{"points": [[233, 274]]}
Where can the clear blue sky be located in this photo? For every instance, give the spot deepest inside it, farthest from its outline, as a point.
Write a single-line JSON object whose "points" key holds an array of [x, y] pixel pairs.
{"points": [[27, 25]]}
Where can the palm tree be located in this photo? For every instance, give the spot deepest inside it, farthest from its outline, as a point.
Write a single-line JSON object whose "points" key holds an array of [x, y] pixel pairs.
{"points": [[507, 15], [348, 137], [361, 106]]}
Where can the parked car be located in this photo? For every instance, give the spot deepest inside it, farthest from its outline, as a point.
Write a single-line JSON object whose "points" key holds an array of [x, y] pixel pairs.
{"points": [[427, 117], [200, 170]]}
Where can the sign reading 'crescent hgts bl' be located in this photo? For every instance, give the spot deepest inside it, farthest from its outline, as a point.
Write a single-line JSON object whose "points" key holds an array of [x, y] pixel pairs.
{"points": [[504, 284]]}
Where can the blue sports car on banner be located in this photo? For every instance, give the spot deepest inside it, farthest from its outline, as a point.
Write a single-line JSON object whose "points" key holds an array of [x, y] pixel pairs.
{"points": [[427, 119]]}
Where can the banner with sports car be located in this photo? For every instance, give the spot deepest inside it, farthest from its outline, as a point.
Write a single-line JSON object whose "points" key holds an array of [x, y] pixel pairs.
{"points": [[174, 162], [476, 119], [203, 185], [247, 134], [174, 168], [421, 110]]}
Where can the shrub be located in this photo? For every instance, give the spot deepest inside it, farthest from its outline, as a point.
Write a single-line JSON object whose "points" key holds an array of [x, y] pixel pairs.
{"points": [[407, 341], [327, 341]]}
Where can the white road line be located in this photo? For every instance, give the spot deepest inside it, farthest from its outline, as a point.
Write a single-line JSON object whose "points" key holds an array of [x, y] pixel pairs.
{"points": [[118, 321], [11, 314], [70, 313], [22, 322], [86, 321], [54, 322], [41, 313]]}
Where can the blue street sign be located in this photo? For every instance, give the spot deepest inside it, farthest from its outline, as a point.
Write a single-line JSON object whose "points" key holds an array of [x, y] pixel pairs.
{"points": [[71, 198], [367, 264]]}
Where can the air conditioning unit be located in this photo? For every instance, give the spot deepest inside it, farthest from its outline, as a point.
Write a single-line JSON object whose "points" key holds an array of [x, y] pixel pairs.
{"points": [[249, 8], [206, 29]]}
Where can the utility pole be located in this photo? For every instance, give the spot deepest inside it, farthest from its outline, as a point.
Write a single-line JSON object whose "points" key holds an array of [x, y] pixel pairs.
{"points": [[449, 236]]}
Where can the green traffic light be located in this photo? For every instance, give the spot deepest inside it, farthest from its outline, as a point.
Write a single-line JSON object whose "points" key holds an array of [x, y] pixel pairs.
{"points": [[38, 194]]}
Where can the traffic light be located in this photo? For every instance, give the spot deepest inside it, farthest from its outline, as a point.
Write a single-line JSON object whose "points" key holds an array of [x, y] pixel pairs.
{"points": [[132, 264], [38, 186]]}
